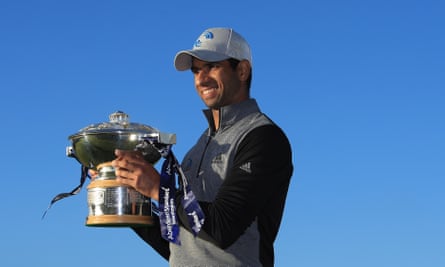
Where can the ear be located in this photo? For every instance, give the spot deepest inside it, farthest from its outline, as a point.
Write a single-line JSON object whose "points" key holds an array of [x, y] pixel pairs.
{"points": [[243, 70]]}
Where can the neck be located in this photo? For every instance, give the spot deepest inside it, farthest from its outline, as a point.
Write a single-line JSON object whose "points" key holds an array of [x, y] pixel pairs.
{"points": [[215, 114]]}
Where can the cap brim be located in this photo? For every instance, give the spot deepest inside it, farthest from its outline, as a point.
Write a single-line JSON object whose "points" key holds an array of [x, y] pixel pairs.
{"points": [[183, 59]]}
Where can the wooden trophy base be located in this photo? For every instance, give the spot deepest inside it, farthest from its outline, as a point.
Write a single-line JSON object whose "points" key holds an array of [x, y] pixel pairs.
{"points": [[119, 220]]}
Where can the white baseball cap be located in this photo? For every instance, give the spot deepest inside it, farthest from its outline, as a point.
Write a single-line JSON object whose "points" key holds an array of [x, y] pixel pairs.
{"points": [[214, 44]]}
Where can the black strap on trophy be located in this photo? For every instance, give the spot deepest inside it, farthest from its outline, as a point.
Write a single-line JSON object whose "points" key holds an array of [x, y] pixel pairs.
{"points": [[83, 176]]}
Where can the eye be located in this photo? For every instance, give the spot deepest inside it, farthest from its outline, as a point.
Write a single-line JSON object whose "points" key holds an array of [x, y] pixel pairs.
{"points": [[194, 70], [213, 65]]}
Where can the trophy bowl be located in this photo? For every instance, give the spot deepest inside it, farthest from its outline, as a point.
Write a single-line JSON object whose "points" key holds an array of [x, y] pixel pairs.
{"points": [[111, 203]]}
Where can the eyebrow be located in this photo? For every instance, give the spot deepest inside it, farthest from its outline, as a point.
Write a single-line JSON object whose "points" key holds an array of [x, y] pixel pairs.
{"points": [[208, 64]]}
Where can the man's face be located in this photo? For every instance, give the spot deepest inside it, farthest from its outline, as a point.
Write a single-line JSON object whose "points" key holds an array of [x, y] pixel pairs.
{"points": [[217, 83]]}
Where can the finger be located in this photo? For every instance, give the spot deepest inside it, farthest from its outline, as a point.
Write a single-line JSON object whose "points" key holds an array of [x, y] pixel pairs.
{"points": [[123, 173], [120, 152], [122, 162]]}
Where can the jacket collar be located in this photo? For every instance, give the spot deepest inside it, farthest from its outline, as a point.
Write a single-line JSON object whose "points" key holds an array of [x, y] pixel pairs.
{"points": [[228, 115]]}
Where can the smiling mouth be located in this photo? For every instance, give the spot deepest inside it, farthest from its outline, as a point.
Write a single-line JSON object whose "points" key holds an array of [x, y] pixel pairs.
{"points": [[208, 91]]}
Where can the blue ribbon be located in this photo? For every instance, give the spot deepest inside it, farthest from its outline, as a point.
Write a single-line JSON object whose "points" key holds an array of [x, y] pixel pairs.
{"points": [[191, 206], [167, 208], [167, 191]]}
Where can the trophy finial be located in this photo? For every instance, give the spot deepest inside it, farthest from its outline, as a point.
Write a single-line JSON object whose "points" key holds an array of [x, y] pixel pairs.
{"points": [[119, 117]]}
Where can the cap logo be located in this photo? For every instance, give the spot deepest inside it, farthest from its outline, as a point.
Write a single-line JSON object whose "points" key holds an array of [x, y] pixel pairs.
{"points": [[207, 35]]}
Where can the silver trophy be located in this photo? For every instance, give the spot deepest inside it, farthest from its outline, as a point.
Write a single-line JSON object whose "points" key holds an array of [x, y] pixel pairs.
{"points": [[111, 203]]}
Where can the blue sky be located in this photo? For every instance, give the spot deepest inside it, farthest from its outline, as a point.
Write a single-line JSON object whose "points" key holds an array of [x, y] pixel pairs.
{"points": [[358, 86]]}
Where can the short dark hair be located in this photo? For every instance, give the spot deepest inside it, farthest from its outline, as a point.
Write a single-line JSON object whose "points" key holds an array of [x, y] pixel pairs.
{"points": [[234, 63]]}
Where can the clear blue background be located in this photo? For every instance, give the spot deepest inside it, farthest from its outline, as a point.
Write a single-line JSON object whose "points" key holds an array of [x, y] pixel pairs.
{"points": [[358, 86]]}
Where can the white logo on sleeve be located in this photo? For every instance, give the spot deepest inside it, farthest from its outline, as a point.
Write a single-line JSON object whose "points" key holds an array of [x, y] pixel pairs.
{"points": [[246, 167]]}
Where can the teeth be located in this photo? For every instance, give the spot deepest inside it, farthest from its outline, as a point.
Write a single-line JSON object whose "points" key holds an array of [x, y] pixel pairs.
{"points": [[207, 91]]}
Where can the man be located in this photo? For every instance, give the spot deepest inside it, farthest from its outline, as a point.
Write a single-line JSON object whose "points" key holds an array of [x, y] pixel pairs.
{"points": [[239, 170]]}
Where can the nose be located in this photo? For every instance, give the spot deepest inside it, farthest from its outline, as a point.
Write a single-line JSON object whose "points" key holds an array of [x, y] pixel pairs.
{"points": [[202, 76]]}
